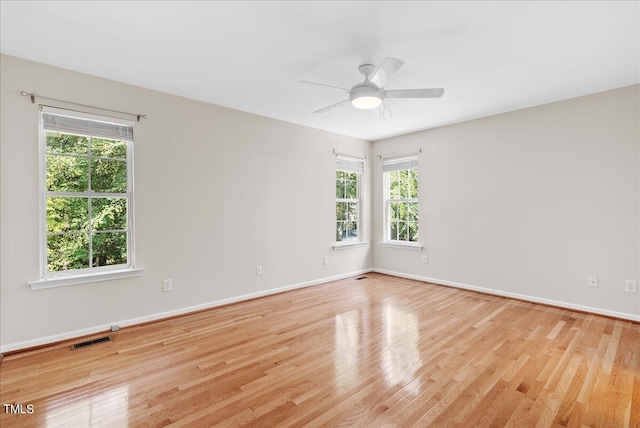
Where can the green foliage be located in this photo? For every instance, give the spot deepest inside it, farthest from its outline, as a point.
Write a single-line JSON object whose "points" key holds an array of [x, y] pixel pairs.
{"points": [[68, 225], [403, 214], [346, 185], [67, 143], [108, 148], [67, 252], [346, 212], [109, 213], [67, 173], [347, 221], [403, 184], [108, 176], [67, 214], [109, 249]]}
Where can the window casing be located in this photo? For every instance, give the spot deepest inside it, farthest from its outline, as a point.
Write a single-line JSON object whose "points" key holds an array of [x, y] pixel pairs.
{"points": [[348, 173], [87, 194], [401, 199]]}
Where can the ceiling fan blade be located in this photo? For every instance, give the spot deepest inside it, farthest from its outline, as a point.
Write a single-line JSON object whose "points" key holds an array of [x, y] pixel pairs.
{"points": [[305, 82], [387, 69], [382, 112], [414, 93], [331, 107]]}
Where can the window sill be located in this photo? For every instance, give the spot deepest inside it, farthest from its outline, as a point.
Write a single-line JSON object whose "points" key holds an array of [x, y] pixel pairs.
{"points": [[64, 280], [344, 246], [409, 246]]}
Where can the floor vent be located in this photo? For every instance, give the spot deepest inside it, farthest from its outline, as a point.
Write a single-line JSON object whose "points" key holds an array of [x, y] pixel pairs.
{"points": [[360, 277], [91, 342]]}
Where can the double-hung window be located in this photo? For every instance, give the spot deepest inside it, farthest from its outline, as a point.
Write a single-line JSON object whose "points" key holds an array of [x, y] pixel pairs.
{"points": [[348, 173], [401, 199], [87, 217]]}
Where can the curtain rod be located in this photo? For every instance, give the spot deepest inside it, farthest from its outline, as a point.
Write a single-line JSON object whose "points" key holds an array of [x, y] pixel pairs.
{"points": [[33, 100], [400, 154], [337, 153]]}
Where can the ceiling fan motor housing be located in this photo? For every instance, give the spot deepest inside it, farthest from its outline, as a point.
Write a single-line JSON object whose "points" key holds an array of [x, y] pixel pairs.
{"points": [[367, 69], [366, 96]]}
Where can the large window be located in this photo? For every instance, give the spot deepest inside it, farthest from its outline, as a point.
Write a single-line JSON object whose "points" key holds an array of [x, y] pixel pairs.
{"points": [[401, 199], [348, 172], [87, 195]]}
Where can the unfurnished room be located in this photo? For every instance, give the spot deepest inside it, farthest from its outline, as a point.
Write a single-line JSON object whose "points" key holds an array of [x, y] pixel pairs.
{"points": [[319, 214]]}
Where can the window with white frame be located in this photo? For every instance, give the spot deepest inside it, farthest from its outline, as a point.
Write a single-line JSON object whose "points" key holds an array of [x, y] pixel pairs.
{"points": [[401, 199], [86, 193], [348, 173]]}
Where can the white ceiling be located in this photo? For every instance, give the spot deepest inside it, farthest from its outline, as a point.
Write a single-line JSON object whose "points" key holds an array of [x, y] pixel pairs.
{"points": [[490, 57]]}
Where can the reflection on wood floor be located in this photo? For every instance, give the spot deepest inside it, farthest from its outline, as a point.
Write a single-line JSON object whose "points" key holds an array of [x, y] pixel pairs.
{"points": [[381, 351]]}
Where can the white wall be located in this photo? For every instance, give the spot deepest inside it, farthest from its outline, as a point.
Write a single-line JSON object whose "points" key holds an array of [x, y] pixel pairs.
{"points": [[217, 192], [530, 202], [527, 203]]}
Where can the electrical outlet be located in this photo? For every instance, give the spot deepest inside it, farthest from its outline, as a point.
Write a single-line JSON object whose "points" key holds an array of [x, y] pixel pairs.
{"points": [[592, 281], [630, 286], [258, 270], [325, 260], [167, 284], [115, 328], [425, 259]]}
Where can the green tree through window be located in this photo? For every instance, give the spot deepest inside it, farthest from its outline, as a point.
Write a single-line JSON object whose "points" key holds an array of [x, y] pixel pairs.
{"points": [[87, 196], [348, 171], [401, 199]]}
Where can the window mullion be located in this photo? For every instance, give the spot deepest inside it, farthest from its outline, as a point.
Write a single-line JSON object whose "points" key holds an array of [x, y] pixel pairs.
{"points": [[89, 186], [98, 232], [89, 205]]}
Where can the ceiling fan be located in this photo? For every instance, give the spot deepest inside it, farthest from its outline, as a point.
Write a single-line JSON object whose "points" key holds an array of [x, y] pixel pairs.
{"points": [[371, 94]]}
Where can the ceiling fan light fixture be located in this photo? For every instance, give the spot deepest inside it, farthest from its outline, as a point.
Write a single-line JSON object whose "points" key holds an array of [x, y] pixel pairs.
{"points": [[365, 97], [366, 102]]}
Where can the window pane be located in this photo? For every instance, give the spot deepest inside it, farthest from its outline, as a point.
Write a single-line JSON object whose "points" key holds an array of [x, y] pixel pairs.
{"points": [[394, 189], [352, 211], [65, 143], [67, 173], [341, 211], [339, 230], [393, 210], [109, 213], [403, 211], [108, 148], [67, 252], [340, 188], [108, 176], [393, 231], [412, 211], [351, 189], [67, 214], [352, 230], [402, 231], [403, 177], [109, 249], [413, 183], [413, 231]]}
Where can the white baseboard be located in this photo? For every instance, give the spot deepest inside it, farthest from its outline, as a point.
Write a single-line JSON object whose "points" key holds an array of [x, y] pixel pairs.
{"points": [[533, 299], [158, 316]]}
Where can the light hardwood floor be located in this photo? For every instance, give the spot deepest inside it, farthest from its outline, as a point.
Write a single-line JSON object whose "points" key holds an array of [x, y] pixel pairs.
{"points": [[376, 352]]}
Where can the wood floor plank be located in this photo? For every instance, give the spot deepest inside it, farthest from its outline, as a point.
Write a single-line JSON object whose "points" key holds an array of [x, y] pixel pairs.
{"points": [[379, 352]]}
